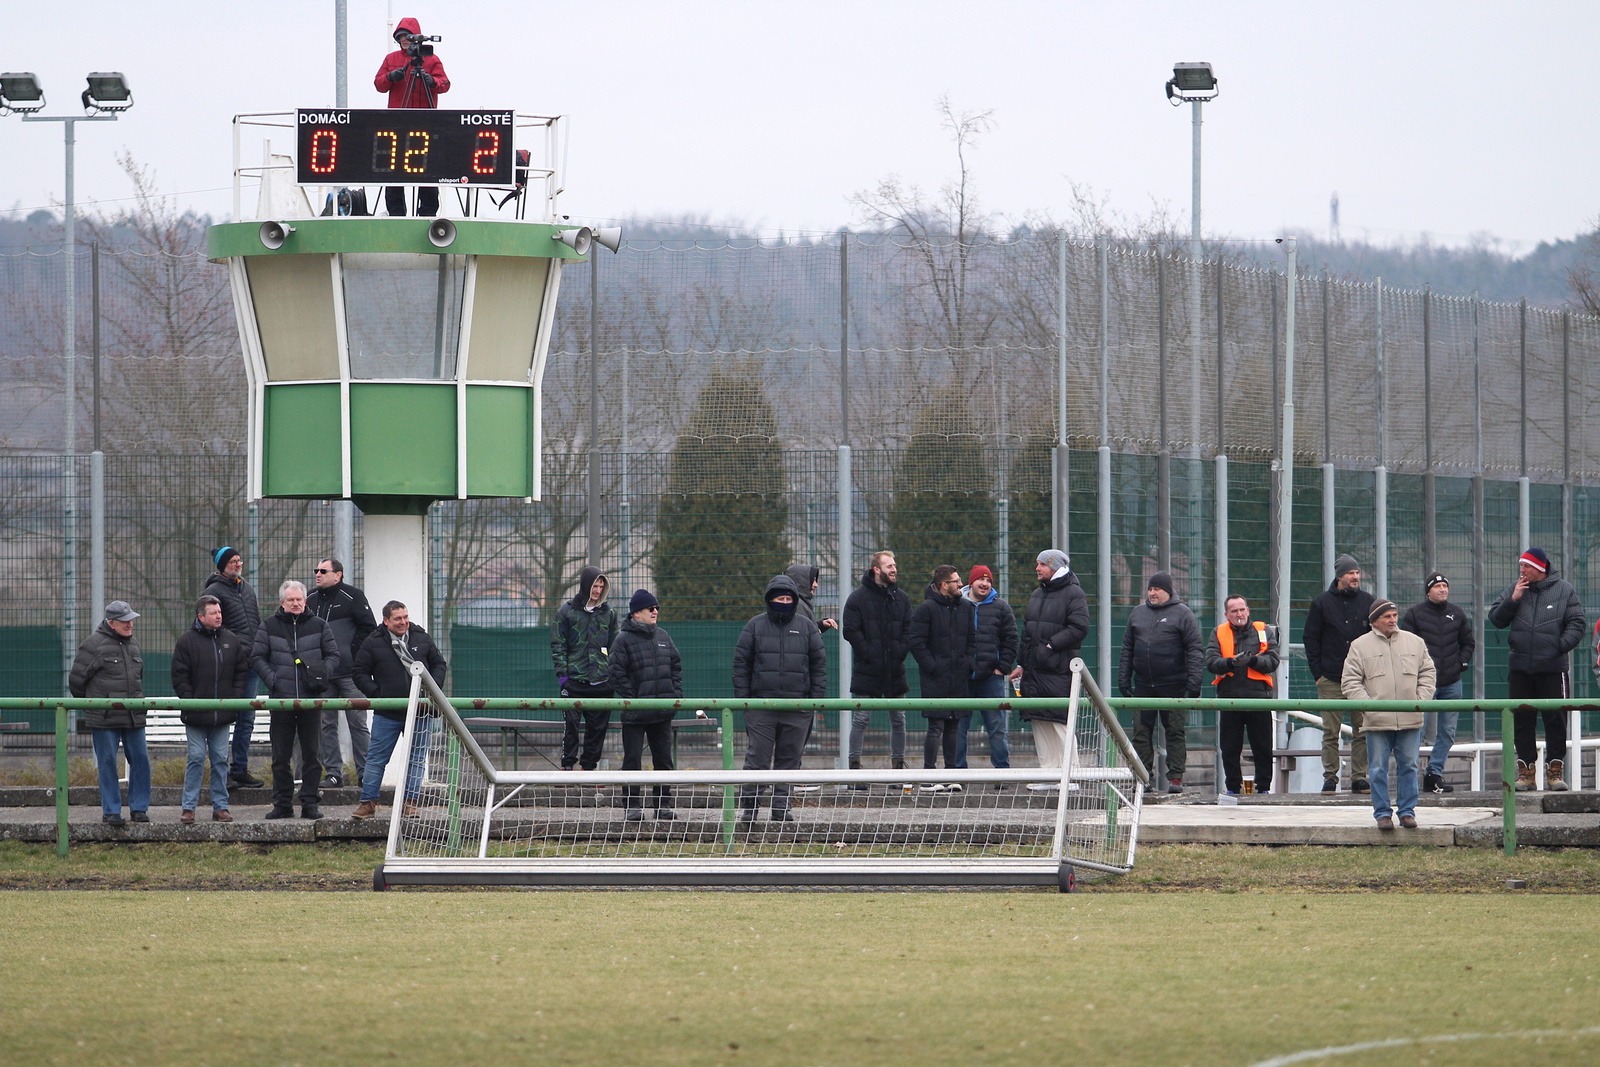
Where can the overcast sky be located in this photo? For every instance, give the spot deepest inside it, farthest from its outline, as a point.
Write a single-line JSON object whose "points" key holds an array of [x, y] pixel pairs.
{"points": [[1443, 118]]}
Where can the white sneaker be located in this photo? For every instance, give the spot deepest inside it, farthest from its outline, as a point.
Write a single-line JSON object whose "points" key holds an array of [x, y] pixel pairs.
{"points": [[1043, 787], [808, 789], [953, 787], [930, 787]]}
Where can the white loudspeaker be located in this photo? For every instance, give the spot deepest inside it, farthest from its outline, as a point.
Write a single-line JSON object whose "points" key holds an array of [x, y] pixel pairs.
{"points": [[273, 234], [578, 240], [609, 237], [441, 232]]}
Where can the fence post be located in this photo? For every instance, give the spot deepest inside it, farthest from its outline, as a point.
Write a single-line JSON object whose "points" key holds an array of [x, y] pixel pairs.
{"points": [[62, 783], [1286, 472], [1103, 474], [1060, 457]]}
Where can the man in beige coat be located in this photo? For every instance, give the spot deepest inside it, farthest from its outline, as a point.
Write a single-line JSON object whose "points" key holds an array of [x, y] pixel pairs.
{"points": [[1389, 663]]}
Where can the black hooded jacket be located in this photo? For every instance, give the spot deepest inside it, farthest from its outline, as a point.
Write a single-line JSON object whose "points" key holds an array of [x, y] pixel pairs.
{"points": [[944, 642], [774, 659], [876, 619], [1337, 617]]}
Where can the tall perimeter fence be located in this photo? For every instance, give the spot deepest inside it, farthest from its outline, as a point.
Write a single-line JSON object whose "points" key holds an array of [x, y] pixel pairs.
{"points": [[981, 401]]}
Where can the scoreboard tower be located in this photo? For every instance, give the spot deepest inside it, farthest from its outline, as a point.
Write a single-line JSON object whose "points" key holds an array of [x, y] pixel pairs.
{"points": [[397, 361]]}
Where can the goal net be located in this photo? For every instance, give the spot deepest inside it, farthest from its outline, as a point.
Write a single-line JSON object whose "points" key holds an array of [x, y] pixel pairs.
{"points": [[476, 823]]}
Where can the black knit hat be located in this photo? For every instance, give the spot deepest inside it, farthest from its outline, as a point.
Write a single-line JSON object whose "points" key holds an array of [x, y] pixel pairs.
{"points": [[642, 599], [222, 556], [1379, 607], [1434, 579], [1161, 580]]}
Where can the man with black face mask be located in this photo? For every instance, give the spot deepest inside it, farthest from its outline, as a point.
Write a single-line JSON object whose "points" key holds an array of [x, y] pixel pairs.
{"points": [[779, 654]]}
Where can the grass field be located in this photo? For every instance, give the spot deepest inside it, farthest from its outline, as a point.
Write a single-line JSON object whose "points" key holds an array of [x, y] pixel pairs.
{"points": [[795, 978]]}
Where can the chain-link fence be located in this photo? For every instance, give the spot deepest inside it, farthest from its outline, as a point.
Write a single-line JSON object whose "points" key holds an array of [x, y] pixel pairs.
{"points": [[723, 395]]}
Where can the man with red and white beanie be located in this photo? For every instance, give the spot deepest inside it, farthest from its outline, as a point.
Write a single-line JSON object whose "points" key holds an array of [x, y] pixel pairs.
{"points": [[1546, 621]]}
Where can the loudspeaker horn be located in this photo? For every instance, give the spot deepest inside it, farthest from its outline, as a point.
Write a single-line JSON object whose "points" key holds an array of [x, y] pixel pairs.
{"points": [[442, 232], [609, 237], [578, 240], [273, 234]]}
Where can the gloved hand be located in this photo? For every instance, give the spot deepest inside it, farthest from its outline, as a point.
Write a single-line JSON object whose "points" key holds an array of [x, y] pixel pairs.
{"points": [[1125, 690], [396, 74], [1242, 663], [1192, 694], [427, 79], [561, 680]]}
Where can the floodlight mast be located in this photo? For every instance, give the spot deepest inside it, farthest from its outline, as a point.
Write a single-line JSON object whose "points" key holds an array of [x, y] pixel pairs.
{"points": [[1196, 84], [108, 92]]}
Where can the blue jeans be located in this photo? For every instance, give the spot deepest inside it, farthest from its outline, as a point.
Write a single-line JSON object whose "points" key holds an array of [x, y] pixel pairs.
{"points": [[204, 741], [1442, 725], [1403, 745], [994, 721], [242, 727], [105, 758], [385, 735]]}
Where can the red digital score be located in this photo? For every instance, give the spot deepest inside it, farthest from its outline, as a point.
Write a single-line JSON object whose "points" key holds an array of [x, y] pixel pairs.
{"points": [[324, 152]]}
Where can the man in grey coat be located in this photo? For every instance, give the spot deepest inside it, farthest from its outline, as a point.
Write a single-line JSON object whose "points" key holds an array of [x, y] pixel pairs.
{"points": [[109, 665]]}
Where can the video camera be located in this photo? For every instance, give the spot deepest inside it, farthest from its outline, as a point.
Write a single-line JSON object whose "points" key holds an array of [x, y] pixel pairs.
{"points": [[419, 42]]}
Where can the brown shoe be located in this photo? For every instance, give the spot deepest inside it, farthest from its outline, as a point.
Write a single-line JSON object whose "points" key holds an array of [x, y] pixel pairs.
{"points": [[1409, 822], [1527, 777], [410, 811], [1385, 823], [1555, 776], [365, 810], [186, 817], [221, 815]]}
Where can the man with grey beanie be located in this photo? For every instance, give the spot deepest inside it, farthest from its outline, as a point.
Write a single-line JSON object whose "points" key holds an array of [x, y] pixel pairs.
{"points": [[1054, 625], [1337, 617]]}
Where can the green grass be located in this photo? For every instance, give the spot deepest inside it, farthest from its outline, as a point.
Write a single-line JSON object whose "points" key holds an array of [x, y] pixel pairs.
{"points": [[789, 978], [1160, 868]]}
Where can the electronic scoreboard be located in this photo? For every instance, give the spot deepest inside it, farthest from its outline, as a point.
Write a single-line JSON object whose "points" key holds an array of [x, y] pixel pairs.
{"points": [[403, 146]]}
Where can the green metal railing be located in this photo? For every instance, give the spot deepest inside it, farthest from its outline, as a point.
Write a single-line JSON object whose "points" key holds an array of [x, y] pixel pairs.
{"points": [[726, 707]]}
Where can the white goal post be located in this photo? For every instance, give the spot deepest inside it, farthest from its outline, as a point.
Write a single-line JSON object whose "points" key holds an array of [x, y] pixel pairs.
{"points": [[479, 824]]}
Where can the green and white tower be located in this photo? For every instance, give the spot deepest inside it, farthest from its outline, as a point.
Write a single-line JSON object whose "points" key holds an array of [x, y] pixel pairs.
{"points": [[397, 361]]}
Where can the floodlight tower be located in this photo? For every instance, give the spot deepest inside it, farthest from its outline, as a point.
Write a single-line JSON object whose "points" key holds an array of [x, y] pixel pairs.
{"points": [[397, 361], [1194, 82]]}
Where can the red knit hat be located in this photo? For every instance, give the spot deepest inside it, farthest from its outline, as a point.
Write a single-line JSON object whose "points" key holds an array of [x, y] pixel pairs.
{"points": [[1536, 559], [980, 571]]}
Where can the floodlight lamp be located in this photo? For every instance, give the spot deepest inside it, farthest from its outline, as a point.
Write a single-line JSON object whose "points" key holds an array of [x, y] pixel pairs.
{"points": [[20, 92], [1191, 81], [108, 91]]}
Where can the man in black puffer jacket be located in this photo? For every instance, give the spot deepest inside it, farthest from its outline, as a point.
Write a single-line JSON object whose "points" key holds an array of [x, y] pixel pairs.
{"points": [[1444, 627], [779, 654], [241, 614], [1054, 625], [209, 662], [644, 664], [382, 670], [876, 615], [943, 638], [1337, 617], [1546, 621], [1161, 657], [296, 656]]}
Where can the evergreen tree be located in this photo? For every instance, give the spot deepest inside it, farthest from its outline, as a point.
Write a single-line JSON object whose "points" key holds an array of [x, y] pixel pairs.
{"points": [[722, 518], [1029, 517], [943, 508]]}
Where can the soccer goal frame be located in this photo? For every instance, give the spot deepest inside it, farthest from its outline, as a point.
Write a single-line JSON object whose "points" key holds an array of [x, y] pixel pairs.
{"points": [[479, 824]]}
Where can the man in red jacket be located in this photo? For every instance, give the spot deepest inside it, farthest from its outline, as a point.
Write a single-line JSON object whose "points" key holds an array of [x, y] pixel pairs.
{"points": [[413, 77]]}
